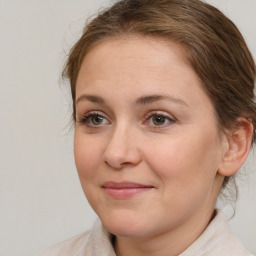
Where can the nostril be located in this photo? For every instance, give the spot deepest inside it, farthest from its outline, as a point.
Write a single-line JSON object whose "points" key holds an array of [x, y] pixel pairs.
{"points": [[118, 165], [112, 164], [120, 153], [126, 164]]}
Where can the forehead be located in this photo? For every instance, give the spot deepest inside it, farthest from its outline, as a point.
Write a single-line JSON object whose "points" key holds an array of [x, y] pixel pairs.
{"points": [[138, 65], [137, 47], [133, 53]]}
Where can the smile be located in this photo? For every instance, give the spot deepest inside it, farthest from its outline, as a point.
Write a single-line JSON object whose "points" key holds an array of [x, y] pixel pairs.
{"points": [[121, 190]]}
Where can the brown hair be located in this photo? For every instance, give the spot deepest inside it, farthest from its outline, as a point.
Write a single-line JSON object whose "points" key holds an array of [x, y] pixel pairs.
{"points": [[214, 46]]}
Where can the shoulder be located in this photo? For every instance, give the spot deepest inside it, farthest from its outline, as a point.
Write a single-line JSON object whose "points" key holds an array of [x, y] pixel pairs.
{"points": [[93, 242], [230, 245], [226, 243], [217, 240], [71, 246]]}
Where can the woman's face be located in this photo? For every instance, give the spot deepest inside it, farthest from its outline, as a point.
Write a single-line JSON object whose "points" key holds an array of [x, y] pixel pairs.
{"points": [[147, 147]]}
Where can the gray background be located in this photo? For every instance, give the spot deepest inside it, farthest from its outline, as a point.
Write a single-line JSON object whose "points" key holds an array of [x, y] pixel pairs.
{"points": [[40, 196]]}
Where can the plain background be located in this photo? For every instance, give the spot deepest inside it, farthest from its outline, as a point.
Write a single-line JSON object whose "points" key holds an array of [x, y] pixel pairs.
{"points": [[40, 196]]}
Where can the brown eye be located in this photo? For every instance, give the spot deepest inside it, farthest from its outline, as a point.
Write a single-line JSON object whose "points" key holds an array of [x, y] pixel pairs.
{"points": [[94, 120], [158, 120], [97, 120]]}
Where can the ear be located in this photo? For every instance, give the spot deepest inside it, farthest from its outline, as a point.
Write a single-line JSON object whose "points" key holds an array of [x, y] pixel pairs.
{"points": [[237, 147]]}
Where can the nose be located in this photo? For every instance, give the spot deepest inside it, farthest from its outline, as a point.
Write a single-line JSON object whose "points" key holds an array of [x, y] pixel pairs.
{"points": [[122, 149]]}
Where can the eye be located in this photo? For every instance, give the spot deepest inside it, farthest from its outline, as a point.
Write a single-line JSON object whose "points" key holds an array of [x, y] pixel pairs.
{"points": [[158, 120], [94, 120], [97, 120]]}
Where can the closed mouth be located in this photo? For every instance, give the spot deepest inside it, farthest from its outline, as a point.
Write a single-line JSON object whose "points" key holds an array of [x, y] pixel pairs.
{"points": [[124, 185], [123, 190]]}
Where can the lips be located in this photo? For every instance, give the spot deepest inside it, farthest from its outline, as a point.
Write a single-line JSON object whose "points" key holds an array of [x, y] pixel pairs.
{"points": [[124, 189]]}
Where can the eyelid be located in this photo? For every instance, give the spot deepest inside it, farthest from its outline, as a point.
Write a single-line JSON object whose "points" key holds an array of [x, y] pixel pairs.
{"points": [[160, 113], [84, 119], [93, 112], [85, 116]]}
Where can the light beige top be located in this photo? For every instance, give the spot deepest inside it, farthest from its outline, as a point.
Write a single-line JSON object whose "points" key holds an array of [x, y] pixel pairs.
{"points": [[217, 240]]}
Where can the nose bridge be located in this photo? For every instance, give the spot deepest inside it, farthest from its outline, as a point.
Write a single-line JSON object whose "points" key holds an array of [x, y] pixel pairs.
{"points": [[120, 133], [122, 148]]}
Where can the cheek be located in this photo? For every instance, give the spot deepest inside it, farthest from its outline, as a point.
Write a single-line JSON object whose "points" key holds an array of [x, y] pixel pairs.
{"points": [[87, 153], [186, 171], [183, 159]]}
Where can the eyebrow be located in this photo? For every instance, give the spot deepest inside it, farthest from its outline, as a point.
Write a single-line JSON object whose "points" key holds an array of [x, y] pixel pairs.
{"points": [[92, 98], [143, 100]]}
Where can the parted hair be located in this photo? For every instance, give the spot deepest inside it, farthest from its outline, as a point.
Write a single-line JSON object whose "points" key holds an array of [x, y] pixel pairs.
{"points": [[213, 46]]}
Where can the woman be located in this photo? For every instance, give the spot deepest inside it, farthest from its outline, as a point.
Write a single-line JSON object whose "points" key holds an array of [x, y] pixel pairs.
{"points": [[164, 118]]}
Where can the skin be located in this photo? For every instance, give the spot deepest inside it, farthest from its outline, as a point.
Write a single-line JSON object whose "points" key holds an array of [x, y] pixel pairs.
{"points": [[169, 143]]}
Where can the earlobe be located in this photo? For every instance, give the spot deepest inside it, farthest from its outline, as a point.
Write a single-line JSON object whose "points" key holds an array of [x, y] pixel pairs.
{"points": [[238, 144]]}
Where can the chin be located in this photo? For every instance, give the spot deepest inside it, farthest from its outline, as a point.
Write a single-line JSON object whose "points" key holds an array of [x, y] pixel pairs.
{"points": [[125, 225]]}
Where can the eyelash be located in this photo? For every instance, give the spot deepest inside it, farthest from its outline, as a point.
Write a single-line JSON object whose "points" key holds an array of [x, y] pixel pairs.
{"points": [[87, 119], [151, 115]]}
